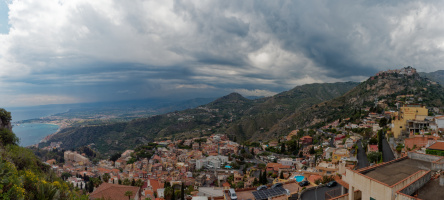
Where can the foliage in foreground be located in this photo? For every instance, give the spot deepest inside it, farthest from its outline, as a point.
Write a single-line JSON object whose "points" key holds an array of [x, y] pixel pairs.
{"points": [[24, 176]]}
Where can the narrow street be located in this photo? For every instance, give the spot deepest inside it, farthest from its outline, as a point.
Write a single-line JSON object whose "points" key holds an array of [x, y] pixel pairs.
{"points": [[387, 151], [362, 157]]}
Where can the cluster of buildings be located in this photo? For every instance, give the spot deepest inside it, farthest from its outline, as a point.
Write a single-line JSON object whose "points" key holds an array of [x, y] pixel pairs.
{"points": [[205, 164], [194, 166], [403, 71]]}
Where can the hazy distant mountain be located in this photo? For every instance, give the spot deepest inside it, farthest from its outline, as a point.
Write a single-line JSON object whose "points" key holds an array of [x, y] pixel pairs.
{"points": [[437, 76], [232, 114], [129, 109]]}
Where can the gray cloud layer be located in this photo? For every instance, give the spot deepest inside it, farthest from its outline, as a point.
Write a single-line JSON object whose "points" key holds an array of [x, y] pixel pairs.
{"points": [[77, 51]]}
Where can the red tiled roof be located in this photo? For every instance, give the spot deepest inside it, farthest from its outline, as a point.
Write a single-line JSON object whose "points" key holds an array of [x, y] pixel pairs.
{"points": [[373, 147], [437, 146], [341, 182], [155, 184], [113, 191]]}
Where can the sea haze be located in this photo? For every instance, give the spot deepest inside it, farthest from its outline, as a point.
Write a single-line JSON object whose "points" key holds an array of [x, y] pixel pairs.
{"points": [[32, 133]]}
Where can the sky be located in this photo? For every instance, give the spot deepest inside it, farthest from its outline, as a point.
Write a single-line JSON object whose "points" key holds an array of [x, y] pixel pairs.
{"points": [[72, 51]]}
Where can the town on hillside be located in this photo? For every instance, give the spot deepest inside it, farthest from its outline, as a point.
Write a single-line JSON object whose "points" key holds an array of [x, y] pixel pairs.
{"points": [[391, 150]]}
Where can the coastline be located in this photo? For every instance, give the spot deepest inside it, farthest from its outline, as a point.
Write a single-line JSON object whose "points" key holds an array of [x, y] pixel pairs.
{"points": [[61, 126], [33, 133]]}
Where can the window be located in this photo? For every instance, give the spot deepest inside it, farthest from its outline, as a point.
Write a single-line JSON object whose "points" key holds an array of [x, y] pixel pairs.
{"points": [[371, 198]]}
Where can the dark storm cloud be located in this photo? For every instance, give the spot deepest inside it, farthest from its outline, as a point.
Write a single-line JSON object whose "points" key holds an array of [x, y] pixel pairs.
{"points": [[96, 50]]}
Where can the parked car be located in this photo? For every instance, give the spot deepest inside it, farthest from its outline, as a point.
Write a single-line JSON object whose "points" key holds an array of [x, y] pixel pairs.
{"points": [[277, 185], [262, 187], [232, 194], [304, 183], [331, 184]]}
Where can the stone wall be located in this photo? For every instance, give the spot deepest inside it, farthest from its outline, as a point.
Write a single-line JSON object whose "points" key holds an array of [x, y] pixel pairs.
{"points": [[423, 157]]}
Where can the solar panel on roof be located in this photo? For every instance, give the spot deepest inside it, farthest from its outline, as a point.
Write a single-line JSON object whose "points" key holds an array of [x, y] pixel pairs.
{"points": [[265, 194]]}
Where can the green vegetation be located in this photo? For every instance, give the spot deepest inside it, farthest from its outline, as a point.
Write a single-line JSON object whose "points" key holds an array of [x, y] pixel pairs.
{"points": [[24, 176], [374, 157], [399, 147], [5, 116], [312, 105], [233, 114], [8, 137], [324, 180], [435, 152]]}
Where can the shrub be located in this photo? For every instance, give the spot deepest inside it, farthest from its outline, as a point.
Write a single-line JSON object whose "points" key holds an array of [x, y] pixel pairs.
{"points": [[8, 137]]}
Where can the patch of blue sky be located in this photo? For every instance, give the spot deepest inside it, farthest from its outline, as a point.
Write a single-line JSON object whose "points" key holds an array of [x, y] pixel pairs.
{"points": [[4, 10]]}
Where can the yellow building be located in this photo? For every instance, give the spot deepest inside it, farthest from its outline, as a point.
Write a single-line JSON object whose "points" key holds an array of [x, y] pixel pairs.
{"points": [[407, 112], [338, 154]]}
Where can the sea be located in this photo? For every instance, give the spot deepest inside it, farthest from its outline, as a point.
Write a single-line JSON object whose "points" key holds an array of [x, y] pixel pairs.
{"points": [[32, 133]]}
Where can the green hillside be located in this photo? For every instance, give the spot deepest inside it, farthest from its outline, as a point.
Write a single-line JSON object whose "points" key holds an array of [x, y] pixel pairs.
{"points": [[386, 87], [232, 114], [23, 175]]}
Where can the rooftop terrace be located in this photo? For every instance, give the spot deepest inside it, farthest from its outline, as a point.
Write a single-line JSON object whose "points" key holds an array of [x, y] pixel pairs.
{"points": [[396, 171], [431, 190]]}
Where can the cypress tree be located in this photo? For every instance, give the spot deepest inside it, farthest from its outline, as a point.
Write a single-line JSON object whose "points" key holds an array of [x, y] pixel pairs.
{"points": [[264, 177], [91, 187], [182, 192], [86, 186]]}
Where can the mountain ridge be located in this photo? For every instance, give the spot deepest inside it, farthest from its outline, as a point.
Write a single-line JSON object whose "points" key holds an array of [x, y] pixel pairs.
{"points": [[232, 114]]}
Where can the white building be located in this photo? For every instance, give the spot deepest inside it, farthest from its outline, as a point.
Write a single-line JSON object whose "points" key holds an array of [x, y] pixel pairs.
{"points": [[440, 121], [286, 161]]}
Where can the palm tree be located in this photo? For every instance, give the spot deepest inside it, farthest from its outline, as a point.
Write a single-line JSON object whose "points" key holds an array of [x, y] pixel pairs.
{"points": [[47, 191], [129, 194]]}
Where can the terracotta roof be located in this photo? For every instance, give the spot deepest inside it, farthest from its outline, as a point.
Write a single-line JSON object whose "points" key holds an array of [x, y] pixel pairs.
{"points": [[341, 182], [373, 147], [113, 191], [437, 146], [155, 184], [226, 184]]}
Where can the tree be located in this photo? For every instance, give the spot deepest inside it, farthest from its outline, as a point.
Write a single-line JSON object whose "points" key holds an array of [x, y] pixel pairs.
{"points": [[380, 137], [264, 178], [115, 156], [312, 150], [65, 175], [129, 194], [5, 116], [383, 122], [256, 182], [281, 176], [8, 137], [373, 141], [126, 181], [283, 148], [173, 196], [91, 187], [374, 157], [182, 192], [106, 177]]}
